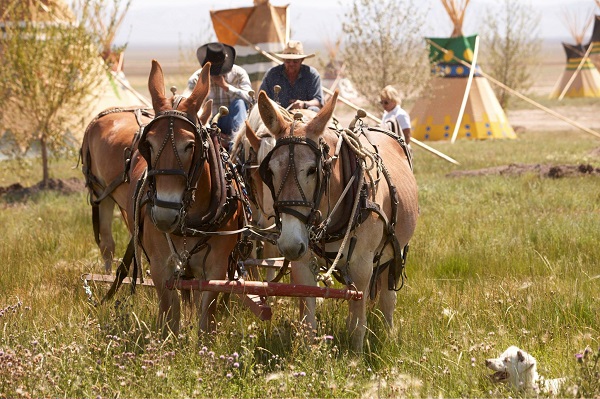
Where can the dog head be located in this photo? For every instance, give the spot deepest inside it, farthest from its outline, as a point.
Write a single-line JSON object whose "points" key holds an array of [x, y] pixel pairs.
{"points": [[514, 367]]}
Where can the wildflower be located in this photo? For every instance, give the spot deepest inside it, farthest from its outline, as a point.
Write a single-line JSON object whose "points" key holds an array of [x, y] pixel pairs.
{"points": [[579, 357], [229, 375], [235, 355], [328, 337], [236, 365]]}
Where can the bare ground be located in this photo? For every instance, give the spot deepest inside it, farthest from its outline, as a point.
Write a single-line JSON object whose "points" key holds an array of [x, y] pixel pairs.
{"points": [[17, 192], [515, 169]]}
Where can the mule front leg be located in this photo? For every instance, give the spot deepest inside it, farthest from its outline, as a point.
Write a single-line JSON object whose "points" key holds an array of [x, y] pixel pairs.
{"points": [[169, 311], [206, 313], [301, 274]]}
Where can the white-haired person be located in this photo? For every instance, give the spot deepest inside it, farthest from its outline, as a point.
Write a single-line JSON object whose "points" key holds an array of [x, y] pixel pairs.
{"points": [[394, 117]]}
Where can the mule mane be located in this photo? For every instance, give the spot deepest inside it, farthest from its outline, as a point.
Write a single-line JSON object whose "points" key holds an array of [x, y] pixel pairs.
{"points": [[241, 143]]}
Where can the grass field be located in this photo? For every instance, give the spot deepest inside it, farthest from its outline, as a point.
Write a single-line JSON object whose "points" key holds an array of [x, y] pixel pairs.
{"points": [[497, 260]]}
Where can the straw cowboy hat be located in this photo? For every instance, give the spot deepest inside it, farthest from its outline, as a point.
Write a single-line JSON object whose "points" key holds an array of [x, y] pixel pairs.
{"points": [[293, 51], [221, 57]]}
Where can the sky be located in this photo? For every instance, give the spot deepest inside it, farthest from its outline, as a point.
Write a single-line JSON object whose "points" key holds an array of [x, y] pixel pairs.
{"points": [[180, 22]]}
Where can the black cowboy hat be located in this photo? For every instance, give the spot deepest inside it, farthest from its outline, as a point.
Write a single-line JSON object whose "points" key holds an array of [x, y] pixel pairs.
{"points": [[221, 57]]}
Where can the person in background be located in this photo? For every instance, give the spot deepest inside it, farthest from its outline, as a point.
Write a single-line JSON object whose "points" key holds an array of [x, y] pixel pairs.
{"points": [[393, 115], [300, 84], [229, 86]]}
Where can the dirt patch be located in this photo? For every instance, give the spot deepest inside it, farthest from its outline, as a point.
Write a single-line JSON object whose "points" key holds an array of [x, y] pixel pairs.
{"points": [[64, 186], [516, 169]]}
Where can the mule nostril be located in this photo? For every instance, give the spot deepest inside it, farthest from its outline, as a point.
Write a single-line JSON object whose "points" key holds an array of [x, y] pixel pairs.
{"points": [[301, 250]]}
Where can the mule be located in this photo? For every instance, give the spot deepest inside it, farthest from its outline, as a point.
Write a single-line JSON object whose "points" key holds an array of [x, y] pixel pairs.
{"points": [[307, 173], [182, 210], [251, 145], [105, 153]]}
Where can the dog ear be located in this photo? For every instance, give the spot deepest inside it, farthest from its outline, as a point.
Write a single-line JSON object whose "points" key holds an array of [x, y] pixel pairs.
{"points": [[520, 356]]}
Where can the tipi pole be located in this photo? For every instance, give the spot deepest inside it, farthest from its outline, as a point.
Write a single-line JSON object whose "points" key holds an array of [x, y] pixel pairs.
{"points": [[126, 84], [572, 79], [521, 96], [467, 91], [340, 98]]}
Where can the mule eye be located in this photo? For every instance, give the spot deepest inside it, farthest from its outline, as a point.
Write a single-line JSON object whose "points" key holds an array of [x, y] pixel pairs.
{"points": [[311, 171], [190, 147]]}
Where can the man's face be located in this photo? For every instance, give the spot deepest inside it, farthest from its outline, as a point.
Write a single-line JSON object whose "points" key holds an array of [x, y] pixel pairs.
{"points": [[292, 66]]}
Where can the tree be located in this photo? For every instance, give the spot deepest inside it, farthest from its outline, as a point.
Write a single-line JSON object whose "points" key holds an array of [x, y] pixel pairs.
{"points": [[512, 46], [383, 44], [49, 74]]}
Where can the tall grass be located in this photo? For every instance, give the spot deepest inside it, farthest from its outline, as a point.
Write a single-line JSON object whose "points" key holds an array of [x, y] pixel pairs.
{"points": [[495, 261]]}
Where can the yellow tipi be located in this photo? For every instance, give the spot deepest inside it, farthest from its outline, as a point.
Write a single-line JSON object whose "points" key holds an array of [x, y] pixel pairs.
{"points": [[442, 113], [580, 77]]}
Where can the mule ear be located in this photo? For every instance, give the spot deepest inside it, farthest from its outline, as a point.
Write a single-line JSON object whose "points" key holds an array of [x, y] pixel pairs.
{"points": [[205, 112], [198, 95], [156, 87], [317, 125], [271, 116], [252, 137], [520, 356]]}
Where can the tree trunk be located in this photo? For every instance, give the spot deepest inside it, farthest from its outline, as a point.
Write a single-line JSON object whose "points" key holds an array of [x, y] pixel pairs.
{"points": [[44, 149]]}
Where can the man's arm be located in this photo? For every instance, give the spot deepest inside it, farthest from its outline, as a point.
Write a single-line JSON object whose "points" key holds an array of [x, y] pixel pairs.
{"points": [[315, 90], [239, 84]]}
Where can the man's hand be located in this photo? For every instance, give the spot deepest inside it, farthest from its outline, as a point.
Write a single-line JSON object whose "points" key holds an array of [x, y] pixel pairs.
{"points": [[296, 104], [219, 80]]}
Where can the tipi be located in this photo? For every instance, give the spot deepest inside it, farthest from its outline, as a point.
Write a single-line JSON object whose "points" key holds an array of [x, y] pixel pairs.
{"points": [[442, 113], [580, 77], [595, 42], [264, 26]]}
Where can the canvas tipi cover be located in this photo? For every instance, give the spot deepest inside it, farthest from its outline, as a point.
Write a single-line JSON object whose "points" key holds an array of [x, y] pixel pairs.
{"points": [[586, 82], [435, 114], [595, 42], [263, 25]]}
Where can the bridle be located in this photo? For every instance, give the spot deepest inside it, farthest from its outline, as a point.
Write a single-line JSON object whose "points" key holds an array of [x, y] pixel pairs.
{"points": [[191, 176], [322, 174]]}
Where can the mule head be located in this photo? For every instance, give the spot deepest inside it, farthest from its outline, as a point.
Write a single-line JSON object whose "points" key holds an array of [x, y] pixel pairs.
{"points": [[173, 145], [294, 172]]}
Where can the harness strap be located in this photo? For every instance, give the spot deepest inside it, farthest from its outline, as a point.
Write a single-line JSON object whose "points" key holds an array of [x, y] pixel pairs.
{"points": [[122, 272]]}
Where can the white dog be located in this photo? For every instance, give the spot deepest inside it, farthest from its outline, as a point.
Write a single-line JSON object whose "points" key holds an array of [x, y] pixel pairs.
{"points": [[519, 369]]}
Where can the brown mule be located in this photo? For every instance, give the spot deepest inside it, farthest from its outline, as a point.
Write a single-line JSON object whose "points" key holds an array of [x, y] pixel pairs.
{"points": [[181, 209]]}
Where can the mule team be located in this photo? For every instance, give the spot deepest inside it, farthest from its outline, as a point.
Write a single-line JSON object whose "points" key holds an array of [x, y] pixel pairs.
{"points": [[344, 200]]}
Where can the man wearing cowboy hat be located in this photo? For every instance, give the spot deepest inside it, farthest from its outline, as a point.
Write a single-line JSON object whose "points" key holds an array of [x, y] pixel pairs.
{"points": [[300, 84], [229, 86]]}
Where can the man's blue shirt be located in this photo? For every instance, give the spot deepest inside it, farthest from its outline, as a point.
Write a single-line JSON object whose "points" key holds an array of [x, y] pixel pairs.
{"points": [[306, 87]]}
